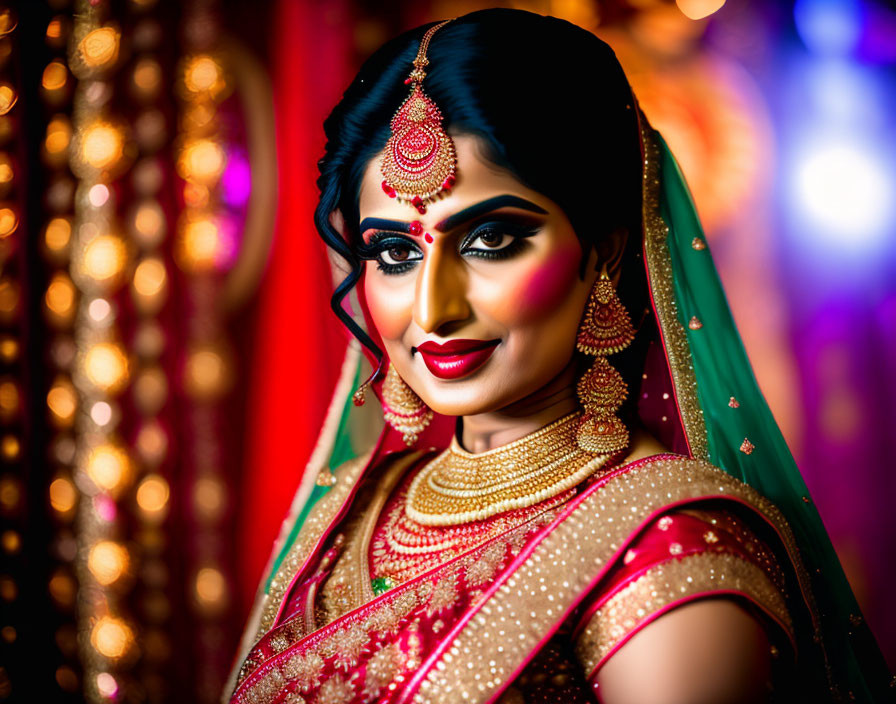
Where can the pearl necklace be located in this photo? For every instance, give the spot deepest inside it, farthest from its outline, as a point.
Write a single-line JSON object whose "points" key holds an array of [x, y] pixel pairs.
{"points": [[459, 486]]}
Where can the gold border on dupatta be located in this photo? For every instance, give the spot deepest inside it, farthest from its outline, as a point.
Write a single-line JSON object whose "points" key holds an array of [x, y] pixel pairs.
{"points": [[319, 519], [561, 567], [662, 288]]}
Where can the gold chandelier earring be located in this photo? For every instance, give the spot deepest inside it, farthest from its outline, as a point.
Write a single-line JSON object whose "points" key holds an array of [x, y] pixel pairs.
{"points": [[403, 409], [606, 329]]}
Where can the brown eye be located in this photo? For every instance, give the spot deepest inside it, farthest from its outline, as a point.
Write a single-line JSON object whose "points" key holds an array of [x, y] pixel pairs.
{"points": [[398, 254], [491, 239]]}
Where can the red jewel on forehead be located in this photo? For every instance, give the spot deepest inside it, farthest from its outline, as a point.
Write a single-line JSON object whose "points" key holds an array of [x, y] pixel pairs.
{"points": [[415, 228]]}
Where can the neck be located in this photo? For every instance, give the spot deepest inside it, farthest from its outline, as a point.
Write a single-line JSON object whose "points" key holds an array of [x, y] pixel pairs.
{"points": [[486, 431]]}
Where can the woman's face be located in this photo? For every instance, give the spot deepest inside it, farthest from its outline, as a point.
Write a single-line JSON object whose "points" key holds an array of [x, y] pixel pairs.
{"points": [[478, 300]]}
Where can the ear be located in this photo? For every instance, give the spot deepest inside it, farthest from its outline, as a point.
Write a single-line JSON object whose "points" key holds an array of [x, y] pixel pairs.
{"points": [[337, 221], [610, 251]]}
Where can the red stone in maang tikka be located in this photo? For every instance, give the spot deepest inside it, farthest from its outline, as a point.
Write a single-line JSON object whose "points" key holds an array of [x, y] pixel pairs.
{"points": [[419, 160]]}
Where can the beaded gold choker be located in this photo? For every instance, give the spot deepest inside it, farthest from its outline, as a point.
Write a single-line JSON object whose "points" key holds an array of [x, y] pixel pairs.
{"points": [[460, 486]]}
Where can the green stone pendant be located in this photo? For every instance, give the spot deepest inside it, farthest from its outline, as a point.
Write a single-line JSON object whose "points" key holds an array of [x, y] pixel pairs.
{"points": [[381, 585]]}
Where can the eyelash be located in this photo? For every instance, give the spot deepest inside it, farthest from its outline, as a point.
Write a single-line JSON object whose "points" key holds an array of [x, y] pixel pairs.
{"points": [[381, 242]]}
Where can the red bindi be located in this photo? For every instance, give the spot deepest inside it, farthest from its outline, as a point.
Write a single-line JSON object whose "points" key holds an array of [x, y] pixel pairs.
{"points": [[428, 238], [415, 228]]}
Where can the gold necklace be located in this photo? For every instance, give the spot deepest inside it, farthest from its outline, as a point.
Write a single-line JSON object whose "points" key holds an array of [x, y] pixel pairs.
{"points": [[460, 487]]}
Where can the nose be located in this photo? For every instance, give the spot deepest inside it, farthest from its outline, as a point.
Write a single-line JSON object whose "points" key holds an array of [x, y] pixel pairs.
{"points": [[441, 295]]}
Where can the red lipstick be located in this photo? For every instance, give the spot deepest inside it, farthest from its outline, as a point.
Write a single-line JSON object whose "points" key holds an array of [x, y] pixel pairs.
{"points": [[456, 358]]}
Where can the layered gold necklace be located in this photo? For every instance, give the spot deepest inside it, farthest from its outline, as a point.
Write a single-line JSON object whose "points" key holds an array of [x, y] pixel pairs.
{"points": [[459, 486]]}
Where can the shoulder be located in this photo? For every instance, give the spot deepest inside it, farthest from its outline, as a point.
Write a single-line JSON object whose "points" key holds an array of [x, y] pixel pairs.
{"points": [[712, 650], [693, 572]]}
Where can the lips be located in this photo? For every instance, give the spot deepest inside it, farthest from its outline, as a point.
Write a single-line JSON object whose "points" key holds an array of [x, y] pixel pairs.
{"points": [[456, 358]]}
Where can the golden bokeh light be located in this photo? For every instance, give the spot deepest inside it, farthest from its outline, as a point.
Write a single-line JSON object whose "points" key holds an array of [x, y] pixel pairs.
{"points": [[199, 246], [147, 77], [8, 22], [8, 98], [152, 442], [60, 298], [150, 277], [152, 496], [102, 145], [202, 74], [108, 561], [11, 541], [9, 348], [10, 294], [10, 447], [106, 366], [6, 169], [104, 257], [198, 115], [9, 221], [149, 223], [10, 399], [207, 373], [55, 76], [63, 495], [10, 493], [58, 235], [150, 390], [109, 466], [99, 48], [698, 9], [54, 28], [8, 589], [201, 161], [111, 637], [209, 498], [211, 589], [58, 138], [62, 400], [62, 587]]}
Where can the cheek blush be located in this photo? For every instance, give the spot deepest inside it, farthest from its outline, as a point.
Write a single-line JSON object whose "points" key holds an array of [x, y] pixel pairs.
{"points": [[547, 286]]}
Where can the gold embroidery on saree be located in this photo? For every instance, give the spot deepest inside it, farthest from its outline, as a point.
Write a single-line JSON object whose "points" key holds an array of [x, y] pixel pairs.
{"points": [[319, 519], [561, 566], [670, 582], [346, 644], [659, 269]]}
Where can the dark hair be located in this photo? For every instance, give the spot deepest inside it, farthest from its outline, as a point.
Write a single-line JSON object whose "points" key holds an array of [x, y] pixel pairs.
{"points": [[549, 102]]}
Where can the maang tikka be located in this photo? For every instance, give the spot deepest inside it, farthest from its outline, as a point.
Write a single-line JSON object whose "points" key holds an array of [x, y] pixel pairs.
{"points": [[606, 329], [419, 161]]}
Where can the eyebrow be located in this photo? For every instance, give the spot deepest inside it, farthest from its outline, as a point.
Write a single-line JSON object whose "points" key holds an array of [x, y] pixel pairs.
{"points": [[384, 224], [460, 217], [485, 206]]}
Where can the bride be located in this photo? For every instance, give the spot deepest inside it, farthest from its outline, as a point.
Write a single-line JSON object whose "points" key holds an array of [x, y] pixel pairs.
{"points": [[564, 484]]}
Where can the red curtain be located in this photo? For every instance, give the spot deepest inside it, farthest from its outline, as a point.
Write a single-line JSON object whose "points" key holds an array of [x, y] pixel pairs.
{"points": [[298, 343]]}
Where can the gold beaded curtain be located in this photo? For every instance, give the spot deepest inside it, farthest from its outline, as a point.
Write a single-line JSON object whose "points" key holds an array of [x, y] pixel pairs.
{"points": [[125, 210]]}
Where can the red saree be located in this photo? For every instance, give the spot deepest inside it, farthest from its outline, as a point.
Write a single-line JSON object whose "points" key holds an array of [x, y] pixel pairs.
{"points": [[535, 610]]}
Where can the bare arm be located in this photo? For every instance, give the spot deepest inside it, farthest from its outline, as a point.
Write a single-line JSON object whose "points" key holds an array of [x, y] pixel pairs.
{"points": [[711, 651]]}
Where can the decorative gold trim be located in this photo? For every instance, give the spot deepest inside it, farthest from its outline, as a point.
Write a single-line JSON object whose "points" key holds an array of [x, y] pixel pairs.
{"points": [[538, 594], [672, 582], [659, 270], [352, 569], [319, 519]]}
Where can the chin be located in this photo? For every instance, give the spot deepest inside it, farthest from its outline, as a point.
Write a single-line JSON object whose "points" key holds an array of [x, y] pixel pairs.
{"points": [[468, 397]]}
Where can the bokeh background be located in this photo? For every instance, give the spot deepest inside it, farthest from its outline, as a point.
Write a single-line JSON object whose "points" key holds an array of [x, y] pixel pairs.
{"points": [[166, 350]]}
